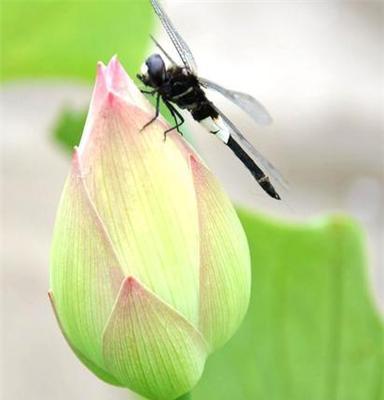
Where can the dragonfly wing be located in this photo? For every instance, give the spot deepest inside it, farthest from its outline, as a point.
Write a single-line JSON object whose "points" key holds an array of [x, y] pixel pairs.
{"points": [[245, 101], [158, 45], [268, 168], [179, 43]]}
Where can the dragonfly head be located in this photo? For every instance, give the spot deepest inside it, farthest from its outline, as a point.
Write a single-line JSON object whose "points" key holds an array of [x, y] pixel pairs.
{"points": [[153, 72]]}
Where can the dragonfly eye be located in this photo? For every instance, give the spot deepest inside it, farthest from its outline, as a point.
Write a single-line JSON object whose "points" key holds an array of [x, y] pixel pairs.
{"points": [[156, 69]]}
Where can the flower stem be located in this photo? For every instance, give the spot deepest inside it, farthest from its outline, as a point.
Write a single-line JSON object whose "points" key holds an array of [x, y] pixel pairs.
{"points": [[186, 396]]}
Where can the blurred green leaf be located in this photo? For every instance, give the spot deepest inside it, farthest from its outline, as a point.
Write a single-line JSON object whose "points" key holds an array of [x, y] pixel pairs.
{"points": [[69, 128], [67, 38], [312, 332]]}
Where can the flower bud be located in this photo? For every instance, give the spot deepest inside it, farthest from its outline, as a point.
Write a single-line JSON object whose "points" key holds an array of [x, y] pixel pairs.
{"points": [[150, 267]]}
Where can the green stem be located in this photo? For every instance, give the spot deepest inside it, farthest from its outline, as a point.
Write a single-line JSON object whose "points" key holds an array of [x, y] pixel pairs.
{"points": [[185, 397]]}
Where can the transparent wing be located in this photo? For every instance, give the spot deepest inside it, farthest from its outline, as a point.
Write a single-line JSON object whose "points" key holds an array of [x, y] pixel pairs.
{"points": [[245, 101], [179, 43], [263, 163], [161, 48]]}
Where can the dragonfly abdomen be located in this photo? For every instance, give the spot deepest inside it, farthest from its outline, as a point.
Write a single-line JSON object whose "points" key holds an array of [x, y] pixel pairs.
{"points": [[217, 127], [256, 172]]}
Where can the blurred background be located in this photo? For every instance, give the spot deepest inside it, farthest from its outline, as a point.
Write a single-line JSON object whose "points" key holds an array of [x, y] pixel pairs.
{"points": [[318, 67]]}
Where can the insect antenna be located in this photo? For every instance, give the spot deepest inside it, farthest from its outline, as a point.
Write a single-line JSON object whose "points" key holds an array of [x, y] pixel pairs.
{"points": [[162, 49]]}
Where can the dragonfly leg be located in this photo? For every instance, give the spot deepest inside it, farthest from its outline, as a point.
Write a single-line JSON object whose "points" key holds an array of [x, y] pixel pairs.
{"points": [[175, 114], [156, 114], [151, 92]]}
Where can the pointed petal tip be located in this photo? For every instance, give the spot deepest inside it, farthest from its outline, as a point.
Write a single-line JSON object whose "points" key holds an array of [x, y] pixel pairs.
{"points": [[193, 161], [99, 89], [100, 65], [131, 283], [118, 79], [119, 82], [131, 286], [114, 90], [116, 72], [75, 155], [114, 61], [76, 168], [100, 72], [198, 169], [113, 99]]}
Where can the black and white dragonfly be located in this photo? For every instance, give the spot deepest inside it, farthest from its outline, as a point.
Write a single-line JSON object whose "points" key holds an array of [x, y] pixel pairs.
{"points": [[179, 85]]}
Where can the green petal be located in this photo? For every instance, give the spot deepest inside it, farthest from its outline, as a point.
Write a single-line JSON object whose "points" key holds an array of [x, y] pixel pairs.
{"points": [[143, 191], [85, 274], [99, 372], [151, 348], [225, 276]]}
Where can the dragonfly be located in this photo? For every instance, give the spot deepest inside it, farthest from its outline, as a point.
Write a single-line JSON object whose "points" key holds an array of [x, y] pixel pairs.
{"points": [[180, 87]]}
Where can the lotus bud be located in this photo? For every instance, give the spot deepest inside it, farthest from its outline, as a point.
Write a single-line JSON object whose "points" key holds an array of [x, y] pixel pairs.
{"points": [[150, 269]]}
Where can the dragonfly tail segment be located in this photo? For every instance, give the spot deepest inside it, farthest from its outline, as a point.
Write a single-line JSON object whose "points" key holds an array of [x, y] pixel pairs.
{"points": [[221, 128], [256, 172]]}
